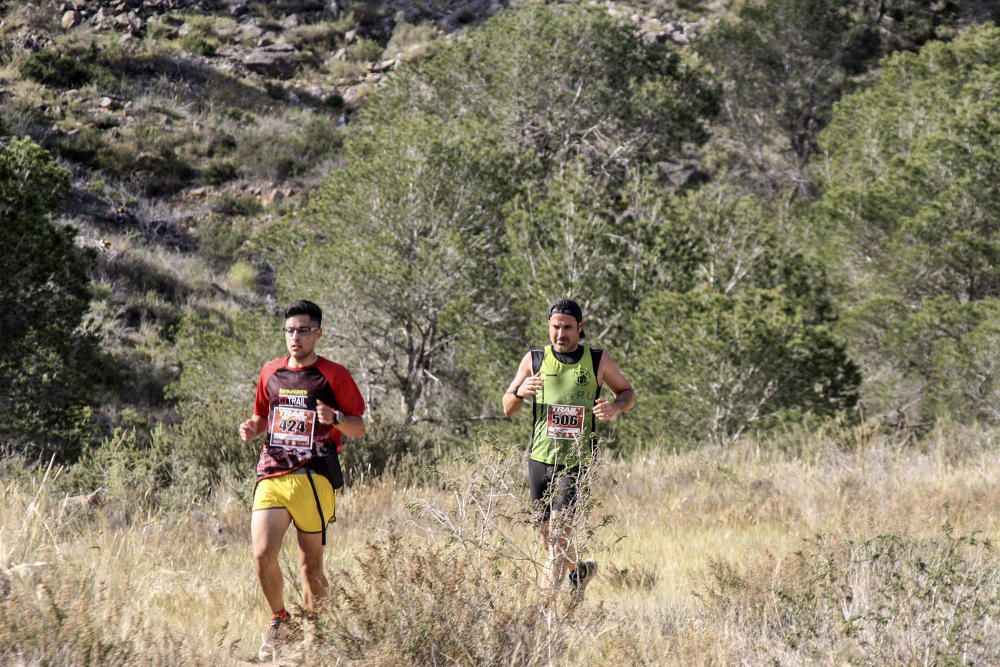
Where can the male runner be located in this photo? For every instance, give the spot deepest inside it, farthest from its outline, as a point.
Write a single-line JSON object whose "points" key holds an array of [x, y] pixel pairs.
{"points": [[304, 404], [564, 382]]}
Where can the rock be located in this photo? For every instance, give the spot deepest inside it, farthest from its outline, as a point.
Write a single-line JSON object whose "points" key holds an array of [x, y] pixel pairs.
{"points": [[107, 103], [249, 32], [383, 66], [129, 21], [69, 19], [351, 36], [239, 9], [275, 60]]}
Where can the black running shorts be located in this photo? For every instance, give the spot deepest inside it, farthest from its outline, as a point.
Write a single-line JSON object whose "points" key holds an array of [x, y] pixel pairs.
{"points": [[552, 487]]}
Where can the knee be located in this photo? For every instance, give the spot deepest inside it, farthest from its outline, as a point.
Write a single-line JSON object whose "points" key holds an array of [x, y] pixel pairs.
{"points": [[312, 569], [264, 555]]}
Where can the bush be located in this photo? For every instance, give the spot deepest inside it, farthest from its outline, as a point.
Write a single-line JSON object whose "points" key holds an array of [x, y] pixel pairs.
{"points": [[199, 43], [56, 69], [715, 366], [83, 147], [220, 171], [364, 50], [232, 205], [221, 237]]}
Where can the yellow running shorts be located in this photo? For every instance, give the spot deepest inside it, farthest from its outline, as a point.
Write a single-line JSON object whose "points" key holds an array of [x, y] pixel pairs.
{"points": [[294, 493]]}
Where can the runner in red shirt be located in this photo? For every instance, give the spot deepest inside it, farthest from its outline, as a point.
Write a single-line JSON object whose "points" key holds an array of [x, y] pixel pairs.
{"points": [[304, 404]]}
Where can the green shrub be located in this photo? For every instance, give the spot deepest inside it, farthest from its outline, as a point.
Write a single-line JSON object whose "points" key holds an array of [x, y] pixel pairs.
{"points": [[221, 237], [364, 50], [220, 171], [83, 147], [56, 69], [48, 358], [199, 43], [127, 468], [243, 276]]}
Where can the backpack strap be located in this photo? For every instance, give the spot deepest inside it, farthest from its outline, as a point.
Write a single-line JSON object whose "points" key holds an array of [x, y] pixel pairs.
{"points": [[536, 365], [595, 356], [536, 360]]}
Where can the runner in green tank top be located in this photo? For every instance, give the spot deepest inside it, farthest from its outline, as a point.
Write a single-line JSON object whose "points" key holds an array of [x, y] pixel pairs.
{"points": [[564, 384]]}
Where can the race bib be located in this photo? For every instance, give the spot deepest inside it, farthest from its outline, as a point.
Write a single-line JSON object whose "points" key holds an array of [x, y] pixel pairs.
{"points": [[292, 427], [565, 422]]}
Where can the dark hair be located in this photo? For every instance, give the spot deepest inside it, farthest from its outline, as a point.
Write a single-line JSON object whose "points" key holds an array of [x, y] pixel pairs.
{"points": [[303, 307], [568, 307]]}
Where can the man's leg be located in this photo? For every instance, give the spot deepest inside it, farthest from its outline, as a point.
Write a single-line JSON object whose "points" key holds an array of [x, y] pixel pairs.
{"points": [[315, 587], [561, 547], [267, 529]]}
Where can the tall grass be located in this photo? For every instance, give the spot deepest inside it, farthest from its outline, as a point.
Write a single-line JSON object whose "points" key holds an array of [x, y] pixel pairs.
{"points": [[847, 546]]}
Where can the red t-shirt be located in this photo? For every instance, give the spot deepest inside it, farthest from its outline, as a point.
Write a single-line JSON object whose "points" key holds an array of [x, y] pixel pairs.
{"points": [[287, 398]]}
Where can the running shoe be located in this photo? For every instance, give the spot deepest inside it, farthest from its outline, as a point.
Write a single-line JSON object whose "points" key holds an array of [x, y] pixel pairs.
{"points": [[581, 576], [278, 633]]}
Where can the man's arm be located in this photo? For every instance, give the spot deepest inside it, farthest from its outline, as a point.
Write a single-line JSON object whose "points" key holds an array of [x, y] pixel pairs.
{"points": [[523, 385], [610, 374], [349, 425]]}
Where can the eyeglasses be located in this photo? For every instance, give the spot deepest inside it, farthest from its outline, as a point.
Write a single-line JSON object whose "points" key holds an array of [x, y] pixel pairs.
{"points": [[302, 331]]}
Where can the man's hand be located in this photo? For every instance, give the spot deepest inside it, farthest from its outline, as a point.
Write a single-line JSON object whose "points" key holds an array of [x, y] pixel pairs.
{"points": [[248, 430], [324, 413], [606, 411], [531, 385]]}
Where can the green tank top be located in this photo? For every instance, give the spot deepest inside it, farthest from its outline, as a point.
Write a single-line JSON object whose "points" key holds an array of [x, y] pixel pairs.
{"points": [[564, 410]]}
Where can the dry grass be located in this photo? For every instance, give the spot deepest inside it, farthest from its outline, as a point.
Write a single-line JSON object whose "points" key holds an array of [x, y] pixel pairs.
{"points": [[857, 547]]}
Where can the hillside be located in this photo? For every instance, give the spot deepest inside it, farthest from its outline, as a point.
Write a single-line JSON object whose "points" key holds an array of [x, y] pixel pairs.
{"points": [[191, 126]]}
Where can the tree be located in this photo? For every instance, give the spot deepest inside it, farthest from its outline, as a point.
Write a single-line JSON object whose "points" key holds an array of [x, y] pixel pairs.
{"points": [[414, 227], [742, 336], [910, 196], [713, 366], [47, 358], [558, 83], [782, 64], [409, 249]]}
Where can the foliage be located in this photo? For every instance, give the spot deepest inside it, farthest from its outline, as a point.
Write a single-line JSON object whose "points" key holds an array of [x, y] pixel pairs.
{"points": [[712, 366], [783, 63], [56, 69], [215, 393], [47, 359], [617, 102], [408, 233], [735, 329], [220, 171], [909, 207]]}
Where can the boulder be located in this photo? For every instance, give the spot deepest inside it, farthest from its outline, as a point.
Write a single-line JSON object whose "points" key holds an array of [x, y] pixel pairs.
{"points": [[275, 60], [69, 19]]}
